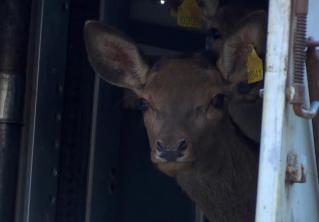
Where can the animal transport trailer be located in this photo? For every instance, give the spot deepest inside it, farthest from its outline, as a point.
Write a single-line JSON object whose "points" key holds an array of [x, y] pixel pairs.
{"points": [[67, 175]]}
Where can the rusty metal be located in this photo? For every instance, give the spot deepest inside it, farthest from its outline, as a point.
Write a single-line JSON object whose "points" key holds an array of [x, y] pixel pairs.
{"points": [[307, 113], [301, 10], [296, 92], [295, 171], [297, 88], [296, 96]]}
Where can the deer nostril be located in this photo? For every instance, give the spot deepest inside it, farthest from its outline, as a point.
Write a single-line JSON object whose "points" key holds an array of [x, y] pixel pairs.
{"points": [[182, 146], [160, 146], [173, 153]]}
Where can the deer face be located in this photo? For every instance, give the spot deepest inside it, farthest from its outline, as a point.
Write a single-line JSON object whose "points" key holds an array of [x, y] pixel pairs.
{"points": [[183, 101], [183, 98]]}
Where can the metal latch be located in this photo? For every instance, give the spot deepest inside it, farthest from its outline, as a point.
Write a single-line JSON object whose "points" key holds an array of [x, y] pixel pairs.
{"points": [[296, 91], [295, 171]]}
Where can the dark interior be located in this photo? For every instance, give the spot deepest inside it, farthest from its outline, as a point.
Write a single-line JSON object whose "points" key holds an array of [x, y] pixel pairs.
{"points": [[101, 164], [124, 185], [128, 184]]}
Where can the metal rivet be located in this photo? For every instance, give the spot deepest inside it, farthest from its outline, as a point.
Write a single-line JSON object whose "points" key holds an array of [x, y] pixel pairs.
{"points": [[58, 117], [56, 144], [55, 172], [60, 88], [52, 200]]}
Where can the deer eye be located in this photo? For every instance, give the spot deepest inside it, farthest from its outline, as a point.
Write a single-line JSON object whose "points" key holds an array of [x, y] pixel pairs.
{"points": [[217, 101], [142, 104]]}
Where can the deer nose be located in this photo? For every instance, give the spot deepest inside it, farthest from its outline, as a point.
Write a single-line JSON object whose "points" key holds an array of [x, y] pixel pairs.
{"points": [[171, 154], [182, 145]]}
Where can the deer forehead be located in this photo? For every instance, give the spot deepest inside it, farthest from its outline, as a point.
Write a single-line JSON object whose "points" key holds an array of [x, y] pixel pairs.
{"points": [[180, 81]]}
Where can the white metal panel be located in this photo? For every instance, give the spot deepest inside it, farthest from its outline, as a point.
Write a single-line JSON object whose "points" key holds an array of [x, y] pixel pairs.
{"points": [[272, 157], [283, 132]]}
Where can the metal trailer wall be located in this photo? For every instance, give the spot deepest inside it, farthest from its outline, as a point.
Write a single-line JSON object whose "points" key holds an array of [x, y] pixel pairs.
{"points": [[283, 133], [53, 162], [76, 118], [43, 112], [14, 23]]}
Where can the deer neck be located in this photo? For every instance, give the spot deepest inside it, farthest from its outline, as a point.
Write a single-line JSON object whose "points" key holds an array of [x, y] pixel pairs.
{"points": [[223, 149], [224, 180]]}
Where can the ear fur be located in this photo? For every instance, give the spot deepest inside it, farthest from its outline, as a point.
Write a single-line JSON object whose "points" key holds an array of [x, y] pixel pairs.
{"points": [[244, 109], [250, 31], [247, 116], [114, 56]]}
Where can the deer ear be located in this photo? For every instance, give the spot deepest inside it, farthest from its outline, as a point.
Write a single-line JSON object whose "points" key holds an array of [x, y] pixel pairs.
{"points": [[250, 32], [208, 8], [247, 116], [245, 108], [114, 56]]}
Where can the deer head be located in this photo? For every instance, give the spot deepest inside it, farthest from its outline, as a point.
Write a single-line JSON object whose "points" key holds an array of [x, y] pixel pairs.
{"points": [[185, 100]]}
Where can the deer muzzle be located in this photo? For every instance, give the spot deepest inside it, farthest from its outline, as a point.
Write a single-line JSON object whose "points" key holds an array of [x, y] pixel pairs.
{"points": [[171, 154]]}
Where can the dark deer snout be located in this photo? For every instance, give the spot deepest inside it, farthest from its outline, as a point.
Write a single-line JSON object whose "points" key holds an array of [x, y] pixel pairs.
{"points": [[171, 153]]}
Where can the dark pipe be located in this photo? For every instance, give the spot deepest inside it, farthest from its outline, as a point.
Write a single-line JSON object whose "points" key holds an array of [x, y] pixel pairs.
{"points": [[14, 21], [313, 82]]}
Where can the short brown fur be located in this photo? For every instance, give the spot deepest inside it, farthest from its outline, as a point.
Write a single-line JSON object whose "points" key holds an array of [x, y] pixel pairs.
{"points": [[218, 170]]}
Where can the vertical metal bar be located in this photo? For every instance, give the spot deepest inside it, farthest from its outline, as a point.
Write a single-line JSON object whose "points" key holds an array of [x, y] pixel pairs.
{"points": [[14, 22], [284, 135], [272, 155], [38, 176], [92, 151]]}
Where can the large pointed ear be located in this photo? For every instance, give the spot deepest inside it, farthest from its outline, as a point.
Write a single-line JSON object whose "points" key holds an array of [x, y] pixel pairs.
{"points": [[114, 56], [208, 8], [251, 31], [245, 106]]}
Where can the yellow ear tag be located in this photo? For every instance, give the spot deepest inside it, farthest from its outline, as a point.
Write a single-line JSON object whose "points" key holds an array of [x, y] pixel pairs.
{"points": [[254, 66], [189, 14]]}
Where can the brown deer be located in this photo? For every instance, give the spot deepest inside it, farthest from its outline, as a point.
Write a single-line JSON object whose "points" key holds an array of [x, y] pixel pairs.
{"points": [[191, 106], [220, 18]]}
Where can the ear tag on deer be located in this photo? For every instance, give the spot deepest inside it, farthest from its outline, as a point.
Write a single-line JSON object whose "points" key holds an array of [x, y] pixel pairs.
{"points": [[189, 14], [254, 66]]}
